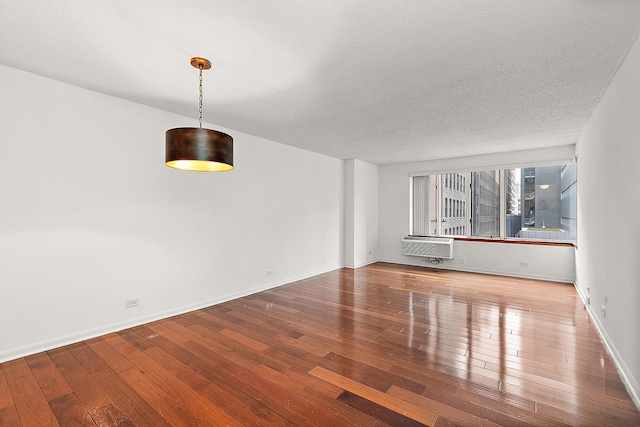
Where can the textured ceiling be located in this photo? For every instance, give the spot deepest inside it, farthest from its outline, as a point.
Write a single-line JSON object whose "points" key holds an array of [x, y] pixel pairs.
{"points": [[381, 81]]}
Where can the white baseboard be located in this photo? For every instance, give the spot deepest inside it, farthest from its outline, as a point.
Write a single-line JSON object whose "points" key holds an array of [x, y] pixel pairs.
{"points": [[627, 376], [362, 264], [27, 350]]}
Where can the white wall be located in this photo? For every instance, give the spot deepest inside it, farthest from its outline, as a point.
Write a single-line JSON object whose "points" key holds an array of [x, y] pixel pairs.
{"points": [[608, 210], [361, 213], [544, 262], [90, 216], [349, 212]]}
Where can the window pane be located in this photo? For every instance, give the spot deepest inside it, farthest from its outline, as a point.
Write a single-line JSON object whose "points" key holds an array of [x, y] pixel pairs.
{"points": [[453, 197], [541, 203], [424, 206], [485, 204]]}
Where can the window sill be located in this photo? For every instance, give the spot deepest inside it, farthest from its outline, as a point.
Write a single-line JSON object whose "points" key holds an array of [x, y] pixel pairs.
{"points": [[516, 241]]}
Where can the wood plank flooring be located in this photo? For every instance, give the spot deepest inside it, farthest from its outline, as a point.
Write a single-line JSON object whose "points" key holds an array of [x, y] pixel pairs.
{"points": [[380, 345]]}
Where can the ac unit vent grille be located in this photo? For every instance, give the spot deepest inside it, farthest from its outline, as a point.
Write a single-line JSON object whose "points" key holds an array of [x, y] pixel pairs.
{"points": [[428, 247]]}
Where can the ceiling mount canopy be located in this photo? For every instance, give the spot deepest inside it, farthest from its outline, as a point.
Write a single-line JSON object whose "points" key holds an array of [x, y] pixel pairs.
{"points": [[199, 149]]}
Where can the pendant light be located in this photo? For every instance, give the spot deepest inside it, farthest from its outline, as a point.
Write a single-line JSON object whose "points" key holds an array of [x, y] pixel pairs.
{"points": [[199, 149]]}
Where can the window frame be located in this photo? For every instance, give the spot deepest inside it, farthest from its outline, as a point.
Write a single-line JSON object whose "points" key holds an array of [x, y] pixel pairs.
{"points": [[450, 178]]}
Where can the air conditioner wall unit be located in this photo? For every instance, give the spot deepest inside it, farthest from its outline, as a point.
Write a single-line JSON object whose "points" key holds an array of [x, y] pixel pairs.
{"points": [[428, 247]]}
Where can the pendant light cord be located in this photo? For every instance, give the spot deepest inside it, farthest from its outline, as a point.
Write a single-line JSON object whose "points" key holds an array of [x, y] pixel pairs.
{"points": [[200, 109]]}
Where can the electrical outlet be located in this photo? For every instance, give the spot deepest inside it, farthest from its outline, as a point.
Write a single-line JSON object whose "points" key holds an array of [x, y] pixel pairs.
{"points": [[268, 273], [524, 264], [588, 300], [462, 260], [604, 313], [132, 303]]}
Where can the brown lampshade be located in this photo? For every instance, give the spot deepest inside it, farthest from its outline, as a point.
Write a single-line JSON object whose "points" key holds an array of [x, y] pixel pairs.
{"points": [[198, 149]]}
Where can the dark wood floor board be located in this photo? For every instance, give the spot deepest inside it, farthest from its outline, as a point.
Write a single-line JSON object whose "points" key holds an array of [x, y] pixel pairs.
{"points": [[377, 318], [448, 357], [514, 413], [143, 385], [178, 351], [88, 391], [418, 413], [110, 355], [176, 414], [462, 410], [315, 384], [9, 417], [567, 384], [87, 357], [174, 386], [366, 346], [624, 413], [185, 319], [600, 376], [254, 404], [134, 338], [315, 395], [341, 319], [573, 408], [495, 360], [264, 303], [242, 359], [548, 338], [244, 340], [340, 316], [62, 357], [211, 391], [544, 356], [572, 418], [479, 376], [473, 340], [306, 344], [162, 330], [294, 301], [6, 400], [110, 415], [372, 377], [443, 421], [259, 332], [209, 322], [291, 358], [604, 362], [51, 381], [379, 412], [438, 383], [30, 402], [246, 351], [197, 333], [269, 322], [70, 412], [499, 396], [599, 400], [202, 350], [280, 401]]}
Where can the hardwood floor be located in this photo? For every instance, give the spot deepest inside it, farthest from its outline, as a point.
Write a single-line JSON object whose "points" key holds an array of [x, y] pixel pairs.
{"points": [[380, 345]]}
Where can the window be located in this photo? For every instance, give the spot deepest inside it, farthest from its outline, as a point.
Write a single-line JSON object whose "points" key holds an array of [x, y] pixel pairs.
{"points": [[451, 200], [530, 203], [541, 203]]}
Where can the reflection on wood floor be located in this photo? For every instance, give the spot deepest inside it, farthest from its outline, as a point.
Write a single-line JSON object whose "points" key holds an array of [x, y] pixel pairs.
{"points": [[380, 345]]}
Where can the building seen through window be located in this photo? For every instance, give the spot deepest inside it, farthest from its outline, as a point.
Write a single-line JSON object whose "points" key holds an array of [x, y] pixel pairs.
{"points": [[543, 203], [539, 204]]}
